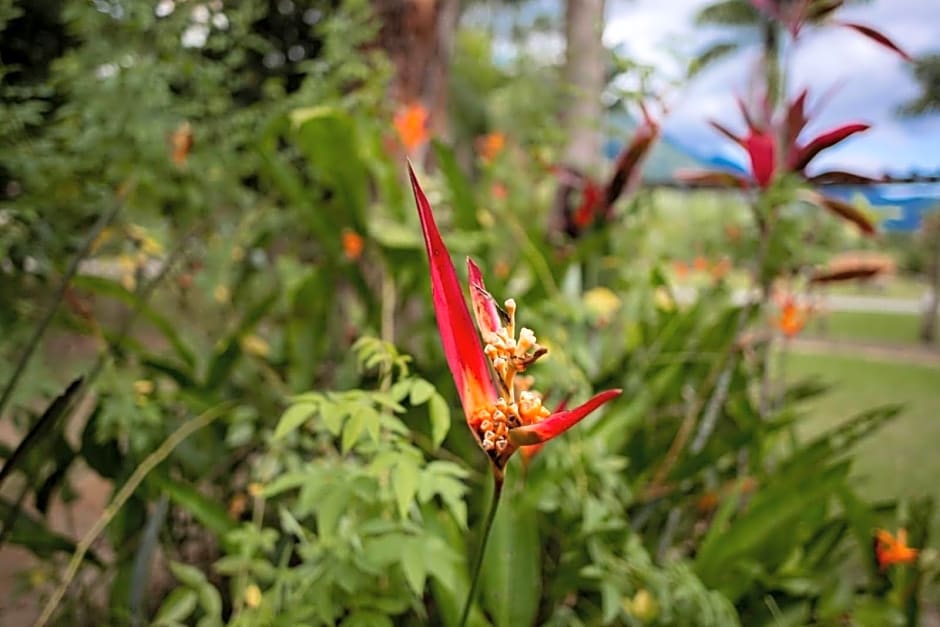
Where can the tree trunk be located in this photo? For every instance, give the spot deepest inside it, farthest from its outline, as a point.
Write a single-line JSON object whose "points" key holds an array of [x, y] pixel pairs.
{"points": [[418, 36], [584, 75]]}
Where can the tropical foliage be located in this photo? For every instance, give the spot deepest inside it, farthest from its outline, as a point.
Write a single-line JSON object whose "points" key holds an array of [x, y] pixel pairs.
{"points": [[209, 206]]}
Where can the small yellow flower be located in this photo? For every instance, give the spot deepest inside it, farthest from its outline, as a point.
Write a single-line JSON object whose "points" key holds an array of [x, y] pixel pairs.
{"points": [[256, 346], [255, 489], [602, 303], [663, 299], [222, 294], [252, 596], [642, 606], [238, 253], [144, 387]]}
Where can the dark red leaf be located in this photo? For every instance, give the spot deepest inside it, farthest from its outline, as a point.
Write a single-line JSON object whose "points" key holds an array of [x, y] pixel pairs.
{"points": [[727, 133], [802, 156], [626, 170], [838, 177], [877, 37], [796, 120], [710, 178], [844, 210]]}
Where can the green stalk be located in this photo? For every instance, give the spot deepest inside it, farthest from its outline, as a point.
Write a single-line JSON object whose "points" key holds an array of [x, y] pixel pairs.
{"points": [[121, 497], [478, 563]]}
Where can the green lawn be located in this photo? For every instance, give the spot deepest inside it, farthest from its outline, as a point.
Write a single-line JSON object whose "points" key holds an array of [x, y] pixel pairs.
{"points": [[901, 286], [865, 327], [901, 460]]}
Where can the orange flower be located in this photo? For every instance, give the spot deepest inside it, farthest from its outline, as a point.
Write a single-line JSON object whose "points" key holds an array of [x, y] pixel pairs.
{"points": [[793, 316], [681, 269], [721, 268], [700, 264], [411, 123], [352, 244], [893, 550], [490, 145], [181, 140], [499, 191]]}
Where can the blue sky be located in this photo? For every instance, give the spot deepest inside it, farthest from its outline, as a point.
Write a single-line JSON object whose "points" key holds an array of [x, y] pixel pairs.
{"points": [[857, 79]]}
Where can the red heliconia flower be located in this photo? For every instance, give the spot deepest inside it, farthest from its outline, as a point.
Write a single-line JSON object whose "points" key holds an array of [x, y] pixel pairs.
{"points": [[597, 199], [760, 143], [501, 417]]}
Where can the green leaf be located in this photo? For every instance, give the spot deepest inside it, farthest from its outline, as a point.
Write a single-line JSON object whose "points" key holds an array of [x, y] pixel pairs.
{"points": [[512, 566], [414, 568], [286, 481], [187, 575], [292, 418], [421, 391], [37, 433], [405, 484], [177, 607], [439, 413], [207, 511], [352, 430], [32, 534]]}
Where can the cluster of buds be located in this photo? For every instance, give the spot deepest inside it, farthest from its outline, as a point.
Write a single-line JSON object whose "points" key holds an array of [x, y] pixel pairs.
{"points": [[509, 355]]}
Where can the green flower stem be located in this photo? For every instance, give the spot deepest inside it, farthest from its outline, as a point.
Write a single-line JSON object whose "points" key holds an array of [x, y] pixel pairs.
{"points": [[478, 563]]}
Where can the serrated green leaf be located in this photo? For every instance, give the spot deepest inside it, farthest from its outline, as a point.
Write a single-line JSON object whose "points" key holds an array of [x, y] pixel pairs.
{"points": [[292, 418], [414, 567], [352, 430], [440, 419], [332, 415], [405, 485]]}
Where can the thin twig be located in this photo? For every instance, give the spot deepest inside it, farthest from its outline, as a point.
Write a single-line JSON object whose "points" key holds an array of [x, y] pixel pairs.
{"points": [[478, 563], [127, 490], [103, 220]]}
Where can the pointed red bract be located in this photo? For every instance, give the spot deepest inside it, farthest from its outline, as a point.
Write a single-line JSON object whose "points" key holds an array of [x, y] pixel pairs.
{"points": [[761, 148], [559, 422], [627, 170], [484, 305], [796, 121], [465, 358], [802, 156], [876, 36], [724, 130]]}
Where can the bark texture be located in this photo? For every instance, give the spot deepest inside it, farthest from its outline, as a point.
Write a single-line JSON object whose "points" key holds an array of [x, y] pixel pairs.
{"points": [[584, 76]]}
